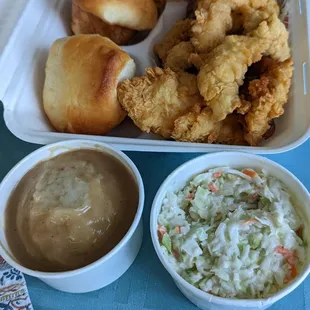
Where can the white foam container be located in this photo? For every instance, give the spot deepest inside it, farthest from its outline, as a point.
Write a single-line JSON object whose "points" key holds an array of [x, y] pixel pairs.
{"points": [[23, 59], [178, 179]]}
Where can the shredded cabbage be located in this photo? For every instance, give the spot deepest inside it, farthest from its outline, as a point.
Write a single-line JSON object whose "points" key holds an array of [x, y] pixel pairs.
{"points": [[233, 233]]}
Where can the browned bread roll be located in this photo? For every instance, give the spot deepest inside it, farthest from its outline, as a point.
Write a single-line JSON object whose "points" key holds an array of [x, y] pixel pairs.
{"points": [[133, 14], [87, 23], [80, 90]]}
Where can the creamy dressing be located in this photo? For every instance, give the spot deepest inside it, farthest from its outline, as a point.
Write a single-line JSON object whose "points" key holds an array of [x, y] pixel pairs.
{"points": [[233, 233]]}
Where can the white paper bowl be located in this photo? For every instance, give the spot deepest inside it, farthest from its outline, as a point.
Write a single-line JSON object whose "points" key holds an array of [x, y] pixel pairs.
{"points": [[177, 179], [101, 272]]}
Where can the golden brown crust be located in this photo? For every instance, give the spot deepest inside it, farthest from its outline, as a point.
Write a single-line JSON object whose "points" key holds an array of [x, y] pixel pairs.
{"points": [[221, 76], [194, 126], [178, 33], [155, 100], [87, 23], [178, 57], [217, 18], [268, 94], [80, 91], [229, 131], [133, 14]]}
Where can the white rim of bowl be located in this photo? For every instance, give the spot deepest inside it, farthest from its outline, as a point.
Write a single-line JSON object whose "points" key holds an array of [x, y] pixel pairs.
{"points": [[204, 295], [78, 144]]}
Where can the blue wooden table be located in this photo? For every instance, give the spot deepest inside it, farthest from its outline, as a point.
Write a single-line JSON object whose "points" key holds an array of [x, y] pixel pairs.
{"points": [[146, 285]]}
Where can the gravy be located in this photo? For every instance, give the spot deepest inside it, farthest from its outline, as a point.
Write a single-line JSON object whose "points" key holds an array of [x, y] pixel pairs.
{"points": [[69, 211]]}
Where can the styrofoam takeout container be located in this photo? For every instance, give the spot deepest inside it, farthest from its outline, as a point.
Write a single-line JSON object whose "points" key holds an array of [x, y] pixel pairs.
{"points": [[101, 272], [178, 179], [23, 60]]}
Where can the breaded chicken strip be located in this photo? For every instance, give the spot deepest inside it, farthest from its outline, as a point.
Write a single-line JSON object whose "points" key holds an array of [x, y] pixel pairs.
{"points": [[178, 57], [216, 18], [257, 121], [198, 125], [280, 75], [213, 21], [254, 14], [222, 74], [224, 70], [194, 126], [178, 33], [277, 35], [156, 100], [269, 94], [229, 131], [197, 59]]}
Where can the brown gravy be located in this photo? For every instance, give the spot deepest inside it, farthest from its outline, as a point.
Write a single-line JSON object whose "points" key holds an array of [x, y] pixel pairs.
{"points": [[69, 211]]}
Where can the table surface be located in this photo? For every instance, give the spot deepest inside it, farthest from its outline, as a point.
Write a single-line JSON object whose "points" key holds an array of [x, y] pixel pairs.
{"points": [[146, 285]]}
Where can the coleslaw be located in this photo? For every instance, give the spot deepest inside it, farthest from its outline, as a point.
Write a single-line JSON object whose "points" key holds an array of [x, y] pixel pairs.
{"points": [[233, 233]]}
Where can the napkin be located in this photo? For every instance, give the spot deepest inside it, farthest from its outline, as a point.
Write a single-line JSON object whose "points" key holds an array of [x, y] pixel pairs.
{"points": [[13, 290]]}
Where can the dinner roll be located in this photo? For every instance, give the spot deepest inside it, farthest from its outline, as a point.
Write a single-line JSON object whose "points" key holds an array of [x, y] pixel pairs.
{"points": [[80, 90], [133, 14], [87, 23]]}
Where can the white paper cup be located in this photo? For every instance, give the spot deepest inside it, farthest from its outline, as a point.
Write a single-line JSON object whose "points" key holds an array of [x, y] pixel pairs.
{"points": [[101, 272], [177, 180]]}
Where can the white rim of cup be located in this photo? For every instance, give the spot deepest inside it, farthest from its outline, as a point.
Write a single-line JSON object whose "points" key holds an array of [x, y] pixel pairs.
{"points": [[89, 144], [204, 295]]}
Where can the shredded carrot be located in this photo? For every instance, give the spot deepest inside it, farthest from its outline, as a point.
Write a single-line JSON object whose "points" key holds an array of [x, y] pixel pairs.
{"points": [[288, 254], [250, 221], [250, 173], [161, 231], [285, 252], [299, 232], [178, 229], [217, 175], [293, 271], [292, 275], [291, 257], [212, 187]]}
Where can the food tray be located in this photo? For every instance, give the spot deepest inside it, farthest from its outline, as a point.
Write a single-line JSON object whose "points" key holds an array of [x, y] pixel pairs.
{"points": [[23, 59]]}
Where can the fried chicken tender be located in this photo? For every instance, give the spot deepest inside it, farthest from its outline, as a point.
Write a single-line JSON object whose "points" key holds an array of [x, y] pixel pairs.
{"points": [[224, 70], [213, 21], [280, 75], [228, 131], [178, 33], [178, 57], [257, 120], [244, 107], [275, 31], [269, 94], [197, 59], [255, 14], [156, 100], [220, 77], [194, 126], [198, 125], [216, 18]]}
